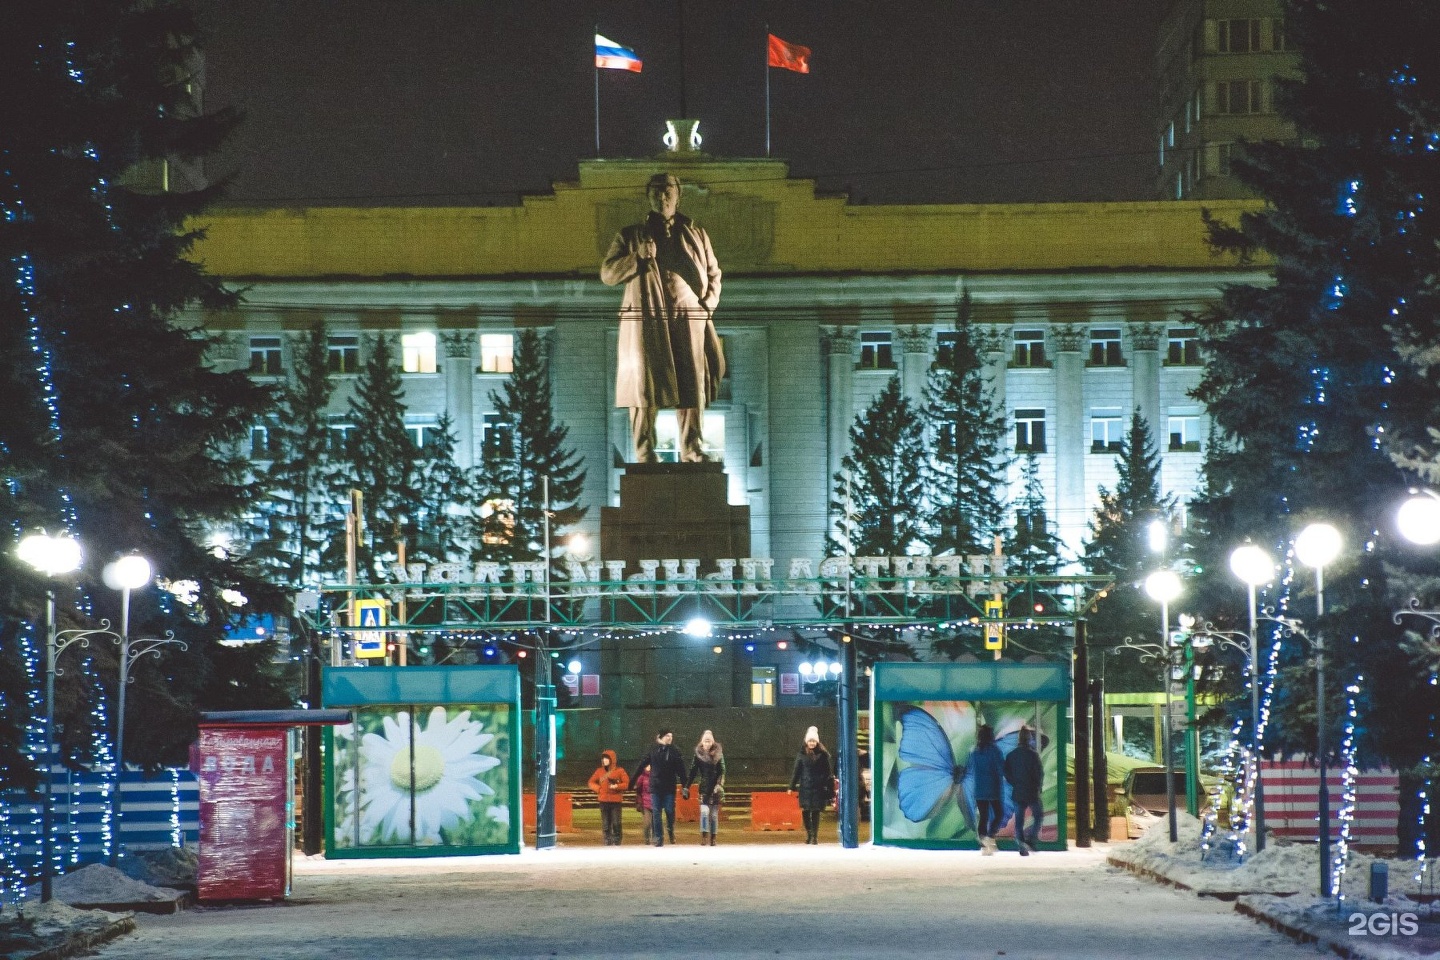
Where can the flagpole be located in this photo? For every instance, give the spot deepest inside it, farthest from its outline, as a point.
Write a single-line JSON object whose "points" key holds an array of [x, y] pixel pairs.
{"points": [[767, 89], [597, 92], [680, 6]]}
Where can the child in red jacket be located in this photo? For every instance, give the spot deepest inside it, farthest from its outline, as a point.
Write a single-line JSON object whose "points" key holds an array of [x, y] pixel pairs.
{"points": [[609, 782]]}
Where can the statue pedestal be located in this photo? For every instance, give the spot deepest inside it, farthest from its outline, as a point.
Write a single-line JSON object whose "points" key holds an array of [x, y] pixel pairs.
{"points": [[674, 511]]}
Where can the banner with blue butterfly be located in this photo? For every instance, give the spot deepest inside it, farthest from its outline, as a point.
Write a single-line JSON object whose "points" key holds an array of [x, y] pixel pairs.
{"points": [[925, 717]]}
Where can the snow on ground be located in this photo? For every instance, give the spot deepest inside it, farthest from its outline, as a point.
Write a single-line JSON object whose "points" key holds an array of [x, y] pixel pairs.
{"points": [[734, 900], [1398, 929], [47, 925], [98, 883]]}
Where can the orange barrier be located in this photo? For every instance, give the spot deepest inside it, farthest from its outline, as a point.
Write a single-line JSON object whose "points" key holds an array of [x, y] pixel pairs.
{"points": [[564, 812], [774, 811], [688, 811]]}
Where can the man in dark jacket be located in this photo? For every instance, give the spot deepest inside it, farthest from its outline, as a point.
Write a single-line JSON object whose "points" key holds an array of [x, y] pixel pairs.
{"points": [[1025, 775], [667, 769]]}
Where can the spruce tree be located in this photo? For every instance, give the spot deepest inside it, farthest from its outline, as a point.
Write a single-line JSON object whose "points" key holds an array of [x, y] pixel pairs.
{"points": [[1033, 549], [879, 497], [444, 499], [1304, 376], [379, 460], [298, 482], [116, 427], [1119, 547], [965, 472], [530, 448]]}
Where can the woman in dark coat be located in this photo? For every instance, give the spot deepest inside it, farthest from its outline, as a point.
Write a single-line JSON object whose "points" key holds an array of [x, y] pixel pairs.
{"points": [[814, 779], [707, 772]]}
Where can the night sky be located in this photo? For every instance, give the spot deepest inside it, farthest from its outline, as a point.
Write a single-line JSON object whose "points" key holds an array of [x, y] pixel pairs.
{"points": [[478, 101]]}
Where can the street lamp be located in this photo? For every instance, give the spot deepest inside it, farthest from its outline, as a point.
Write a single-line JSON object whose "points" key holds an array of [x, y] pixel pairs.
{"points": [[52, 556], [1317, 546], [1163, 587], [1255, 568], [1419, 518], [126, 574]]}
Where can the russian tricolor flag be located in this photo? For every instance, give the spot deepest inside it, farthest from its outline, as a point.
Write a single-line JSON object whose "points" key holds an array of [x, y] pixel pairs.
{"points": [[609, 55]]}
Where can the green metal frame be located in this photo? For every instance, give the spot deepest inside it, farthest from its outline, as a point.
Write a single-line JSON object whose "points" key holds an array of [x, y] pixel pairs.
{"points": [[411, 687], [645, 604], [961, 686]]}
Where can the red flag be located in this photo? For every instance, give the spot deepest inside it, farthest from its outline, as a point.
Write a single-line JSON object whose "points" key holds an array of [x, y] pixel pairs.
{"points": [[788, 56]]}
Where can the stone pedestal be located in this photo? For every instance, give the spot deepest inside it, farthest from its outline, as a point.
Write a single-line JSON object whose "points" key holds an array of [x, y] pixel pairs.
{"points": [[675, 511]]}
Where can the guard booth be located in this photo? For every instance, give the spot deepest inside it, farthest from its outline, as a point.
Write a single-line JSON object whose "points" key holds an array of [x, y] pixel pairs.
{"points": [[430, 765], [924, 718], [244, 760]]}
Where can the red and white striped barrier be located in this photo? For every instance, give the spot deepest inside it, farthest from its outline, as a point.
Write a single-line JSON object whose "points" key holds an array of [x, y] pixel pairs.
{"points": [[1292, 802]]}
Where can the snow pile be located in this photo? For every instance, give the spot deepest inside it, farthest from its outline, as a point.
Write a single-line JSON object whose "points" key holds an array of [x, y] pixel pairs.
{"points": [[98, 883], [1280, 868], [1345, 928], [54, 919], [170, 867]]}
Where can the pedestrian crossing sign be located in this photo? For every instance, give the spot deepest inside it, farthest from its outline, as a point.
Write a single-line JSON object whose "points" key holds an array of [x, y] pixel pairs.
{"points": [[994, 625], [370, 613]]}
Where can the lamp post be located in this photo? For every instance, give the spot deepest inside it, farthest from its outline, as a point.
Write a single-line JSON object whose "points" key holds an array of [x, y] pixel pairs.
{"points": [[126, 574], [52, 556], [1254, 568], [1163, 587], [1317, 546]]}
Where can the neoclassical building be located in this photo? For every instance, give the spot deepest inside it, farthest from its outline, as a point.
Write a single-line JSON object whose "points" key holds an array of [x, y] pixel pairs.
{"points": [[1082, 310]]}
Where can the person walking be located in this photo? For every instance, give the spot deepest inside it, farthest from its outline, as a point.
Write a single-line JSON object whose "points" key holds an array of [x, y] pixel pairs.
{"points": [[814, 780], [1025, 774], [707, 771], [609, 781], [666, 768], [644, 803], [986, 766]]}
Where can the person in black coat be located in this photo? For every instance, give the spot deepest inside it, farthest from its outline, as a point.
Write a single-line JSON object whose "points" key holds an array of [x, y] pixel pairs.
{"points": [[1025, 774], [667, 770], [707, 772], [814, 780]]}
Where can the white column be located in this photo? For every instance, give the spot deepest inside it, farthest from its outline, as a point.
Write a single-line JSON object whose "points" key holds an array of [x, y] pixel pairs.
{"points": [[915, 363], [1145, 373], [840, 409], [460, 392], [1069, 442]]}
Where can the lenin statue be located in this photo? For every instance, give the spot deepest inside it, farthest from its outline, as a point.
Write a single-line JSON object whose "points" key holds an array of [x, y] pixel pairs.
{"points": [[670, 355]]}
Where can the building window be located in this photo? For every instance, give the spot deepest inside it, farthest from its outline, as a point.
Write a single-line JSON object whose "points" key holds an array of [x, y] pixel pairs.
{"points": [[1278, 41], [1184, 433], [762, 686], [497, 352], [1030, 431], [496, 437], [1240, 96], [1106, 430], [1182, 348], [262, 443], [417, 352], [339, 436], [425, 435], [667, 436], [265, 356], [1105, 348], [342, 354], [876, 350], [1224, 159], [1032, 523], [945, 348], [1030, 348], [1237, 36]]}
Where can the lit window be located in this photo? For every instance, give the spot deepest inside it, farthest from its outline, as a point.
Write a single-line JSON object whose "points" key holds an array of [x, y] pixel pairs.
{"points": [[261, 443], [342, 354], [1105, 430], [1105, 348], [496, 436], [1029, 348], [339, 436], [762, 686], [876, 350], [497, 352], [1184, 433], [498, 517], [1183, 347], [417, 352], [265, 357], [1030, 431], [667, 436]]}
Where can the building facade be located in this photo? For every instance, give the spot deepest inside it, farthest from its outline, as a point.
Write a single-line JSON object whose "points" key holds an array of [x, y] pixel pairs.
{"points": [[1217, 61]]}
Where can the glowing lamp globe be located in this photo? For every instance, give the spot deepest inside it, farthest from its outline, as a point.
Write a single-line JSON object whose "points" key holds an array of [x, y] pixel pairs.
{"points": [[1419, 520], [1252, 565], [1318, 545], [1162, 586], [51, 556]]}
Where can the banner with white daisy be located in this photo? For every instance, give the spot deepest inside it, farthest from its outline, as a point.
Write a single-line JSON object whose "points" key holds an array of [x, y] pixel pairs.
{"points": [[422, 778]]}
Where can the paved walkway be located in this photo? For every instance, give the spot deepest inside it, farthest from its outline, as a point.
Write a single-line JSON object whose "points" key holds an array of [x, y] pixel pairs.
{"points": [[733, 900]]}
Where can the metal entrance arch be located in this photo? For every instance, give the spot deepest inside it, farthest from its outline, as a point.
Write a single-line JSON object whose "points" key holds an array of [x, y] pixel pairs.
{"points": [[550, 614]]}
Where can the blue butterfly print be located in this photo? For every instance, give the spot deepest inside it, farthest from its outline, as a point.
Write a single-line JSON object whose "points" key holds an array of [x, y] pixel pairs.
{"points": [[932, 777]]}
